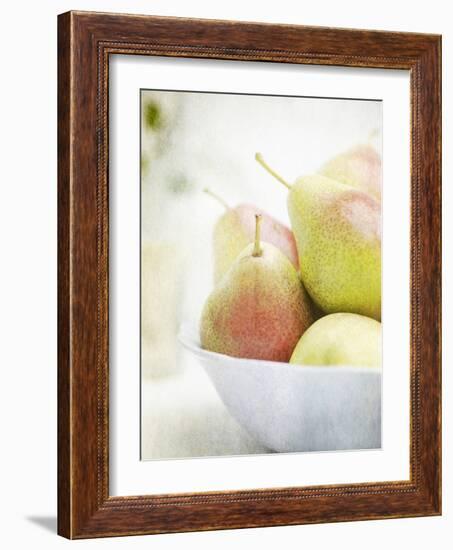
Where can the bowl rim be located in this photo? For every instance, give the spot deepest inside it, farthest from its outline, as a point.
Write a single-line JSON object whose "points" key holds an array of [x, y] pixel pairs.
{"points": [[186, 336]]}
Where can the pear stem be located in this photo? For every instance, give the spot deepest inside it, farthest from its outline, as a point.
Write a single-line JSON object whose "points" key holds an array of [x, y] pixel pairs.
{"points": [[259, 158], [257, 250], [217, 198]]}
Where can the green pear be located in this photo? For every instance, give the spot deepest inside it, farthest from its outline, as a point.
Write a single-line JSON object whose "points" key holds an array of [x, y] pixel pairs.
{"points": [[341, 339], [260, 309], [235, 229], [360, 167], [338, 235]]}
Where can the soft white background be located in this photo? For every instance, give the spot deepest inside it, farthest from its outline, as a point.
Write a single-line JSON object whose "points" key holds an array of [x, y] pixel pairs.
{"points": [[28, 275]]}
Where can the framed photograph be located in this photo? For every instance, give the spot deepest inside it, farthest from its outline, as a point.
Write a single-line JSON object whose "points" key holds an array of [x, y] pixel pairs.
{"points": [[249, 275]]}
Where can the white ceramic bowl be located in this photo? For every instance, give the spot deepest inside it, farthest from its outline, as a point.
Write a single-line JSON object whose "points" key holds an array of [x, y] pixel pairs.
{"points": [[290, 408]]}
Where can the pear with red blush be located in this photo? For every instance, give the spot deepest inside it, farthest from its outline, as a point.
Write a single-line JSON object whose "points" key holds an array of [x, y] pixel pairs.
{"points": [[259, 309], [235, 229]]}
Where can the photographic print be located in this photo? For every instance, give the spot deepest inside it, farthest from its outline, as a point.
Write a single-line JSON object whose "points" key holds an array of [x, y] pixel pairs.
{"points": [[260, 274], [223, 340]]}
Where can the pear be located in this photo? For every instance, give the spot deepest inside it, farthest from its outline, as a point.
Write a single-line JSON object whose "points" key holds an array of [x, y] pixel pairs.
{"points": [[360, 167], [341, 339], [260, 309], [235, 229], [338, 235]]}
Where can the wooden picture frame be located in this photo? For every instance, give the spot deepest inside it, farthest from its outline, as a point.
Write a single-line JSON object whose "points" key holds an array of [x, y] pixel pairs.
{"points": [[85, 42]]}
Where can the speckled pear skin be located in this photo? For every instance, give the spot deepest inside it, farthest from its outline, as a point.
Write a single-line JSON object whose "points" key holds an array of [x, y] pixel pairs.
{"points": [[341, 339], [236, 229], [259, 309], [360, 167], [338, 235]]}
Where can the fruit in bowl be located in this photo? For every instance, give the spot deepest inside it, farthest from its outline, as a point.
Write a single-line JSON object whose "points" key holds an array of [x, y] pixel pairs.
{"points": [[235, 229], [338, 234], [359, 167], [296, 356], [340, 339], [259, 309]]}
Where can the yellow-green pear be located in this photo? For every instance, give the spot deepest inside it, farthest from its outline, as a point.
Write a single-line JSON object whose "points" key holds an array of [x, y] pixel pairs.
{"points": [[341, 339], [235, 229], [260, 309], [338, 235], [359, 167]]}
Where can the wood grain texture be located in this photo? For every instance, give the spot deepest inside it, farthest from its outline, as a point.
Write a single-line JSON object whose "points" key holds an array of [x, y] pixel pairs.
{"points": [[86, 40], [64, 390]]}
